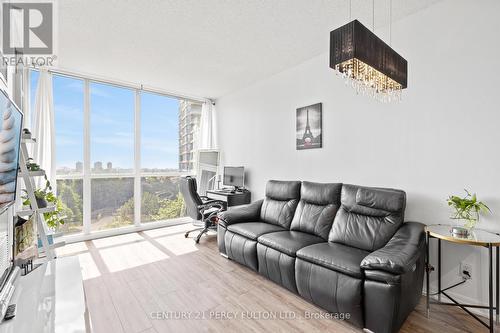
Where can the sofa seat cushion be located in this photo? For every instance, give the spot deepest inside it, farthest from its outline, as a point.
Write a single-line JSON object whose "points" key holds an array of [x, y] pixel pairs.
{"points": [[253, 230], [338, 257], [289, 242]]}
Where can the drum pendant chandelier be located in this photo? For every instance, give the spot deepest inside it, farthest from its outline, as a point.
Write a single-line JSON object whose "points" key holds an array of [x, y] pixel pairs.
{"points": [[367, 63]]}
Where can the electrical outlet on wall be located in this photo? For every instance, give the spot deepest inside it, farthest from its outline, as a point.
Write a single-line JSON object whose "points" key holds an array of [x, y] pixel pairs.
{"points": [[465, 270]]}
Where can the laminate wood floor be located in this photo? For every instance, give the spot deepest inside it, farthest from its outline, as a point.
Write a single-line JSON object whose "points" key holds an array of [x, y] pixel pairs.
{"points": [[157, 281]]}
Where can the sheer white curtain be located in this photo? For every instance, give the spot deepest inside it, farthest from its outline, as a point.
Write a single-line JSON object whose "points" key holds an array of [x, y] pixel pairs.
{"points": [[43, 128], [207, 138]]}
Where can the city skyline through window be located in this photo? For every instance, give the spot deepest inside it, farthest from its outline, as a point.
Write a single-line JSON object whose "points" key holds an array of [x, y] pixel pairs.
{"points": [[122, 170], [111, 128]]}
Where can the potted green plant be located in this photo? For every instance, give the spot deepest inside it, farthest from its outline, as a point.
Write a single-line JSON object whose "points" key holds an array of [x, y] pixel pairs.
{"points": [[45, 197], [467, 210], [39, 196], [32, 166]]}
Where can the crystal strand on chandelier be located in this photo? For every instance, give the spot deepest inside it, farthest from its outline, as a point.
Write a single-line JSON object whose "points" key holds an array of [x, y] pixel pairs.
{"points": [[366, 80]]}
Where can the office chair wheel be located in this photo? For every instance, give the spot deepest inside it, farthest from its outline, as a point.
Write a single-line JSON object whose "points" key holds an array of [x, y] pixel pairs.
{"points": [[186, 235]]}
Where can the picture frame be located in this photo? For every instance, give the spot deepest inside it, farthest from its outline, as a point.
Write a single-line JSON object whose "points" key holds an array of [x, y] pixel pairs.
{"points": [[309, 127]]}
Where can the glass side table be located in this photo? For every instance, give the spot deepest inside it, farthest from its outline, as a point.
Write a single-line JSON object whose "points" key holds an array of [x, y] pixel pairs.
{"points": [[478, 237]]}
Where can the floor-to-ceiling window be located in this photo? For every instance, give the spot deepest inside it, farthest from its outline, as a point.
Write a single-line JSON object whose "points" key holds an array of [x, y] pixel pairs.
{"points": [[68, 112], [119, 153], [112, 120], [159, 143]]}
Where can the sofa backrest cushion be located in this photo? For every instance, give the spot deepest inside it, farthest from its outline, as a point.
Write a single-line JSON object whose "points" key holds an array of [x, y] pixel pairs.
{"points": [[280, 202], [317, 208], [368, 217]]}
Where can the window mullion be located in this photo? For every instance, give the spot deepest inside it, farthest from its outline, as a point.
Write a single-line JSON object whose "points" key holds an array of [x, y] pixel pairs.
{"points": [[137, 159], [26, 105], [86, 159]]}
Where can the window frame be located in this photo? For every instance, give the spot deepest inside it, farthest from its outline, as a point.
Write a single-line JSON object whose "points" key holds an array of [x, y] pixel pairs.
{"points": [[137, 174]]}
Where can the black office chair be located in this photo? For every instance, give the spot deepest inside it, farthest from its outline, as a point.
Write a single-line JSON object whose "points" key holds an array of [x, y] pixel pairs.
{"points": [[200, 208]]}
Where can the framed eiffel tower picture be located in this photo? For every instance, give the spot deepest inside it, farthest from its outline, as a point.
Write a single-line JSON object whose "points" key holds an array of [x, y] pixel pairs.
{"points": [[309, 133]]}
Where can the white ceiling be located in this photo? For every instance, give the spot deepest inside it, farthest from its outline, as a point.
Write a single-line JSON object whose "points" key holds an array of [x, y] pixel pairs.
{"points": [[204, 48]]}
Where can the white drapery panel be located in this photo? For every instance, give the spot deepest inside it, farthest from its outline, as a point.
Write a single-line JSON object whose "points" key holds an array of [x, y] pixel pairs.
{"points": [[43, 128], [207, 138]]}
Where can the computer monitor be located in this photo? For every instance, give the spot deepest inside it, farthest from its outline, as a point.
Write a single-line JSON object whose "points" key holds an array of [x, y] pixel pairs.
{"points": [[234, 176]]}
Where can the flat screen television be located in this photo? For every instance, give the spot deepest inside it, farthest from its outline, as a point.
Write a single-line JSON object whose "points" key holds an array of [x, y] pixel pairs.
{"points": [[11, 122], [234, 176]]}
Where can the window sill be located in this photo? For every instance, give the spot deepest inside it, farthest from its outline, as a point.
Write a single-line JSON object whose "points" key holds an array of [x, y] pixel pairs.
{"points": [[124, 230]]}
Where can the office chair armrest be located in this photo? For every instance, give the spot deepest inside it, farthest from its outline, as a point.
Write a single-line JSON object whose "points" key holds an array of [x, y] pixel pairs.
{"points": [[212, 204], [212, 208]]}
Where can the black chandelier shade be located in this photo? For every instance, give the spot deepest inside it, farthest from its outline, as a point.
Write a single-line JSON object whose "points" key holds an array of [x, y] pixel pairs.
{"points": [[354, 41]]}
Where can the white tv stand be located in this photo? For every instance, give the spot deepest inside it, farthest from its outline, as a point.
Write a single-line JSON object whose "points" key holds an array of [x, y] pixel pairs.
{"points": [[50, 299]]}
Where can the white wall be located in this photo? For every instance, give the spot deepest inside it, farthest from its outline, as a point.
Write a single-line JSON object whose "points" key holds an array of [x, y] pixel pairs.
{"points": [[443, 137]]}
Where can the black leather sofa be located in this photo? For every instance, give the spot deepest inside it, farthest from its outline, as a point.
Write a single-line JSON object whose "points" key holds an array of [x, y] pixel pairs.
{"points": [[342, 247]]}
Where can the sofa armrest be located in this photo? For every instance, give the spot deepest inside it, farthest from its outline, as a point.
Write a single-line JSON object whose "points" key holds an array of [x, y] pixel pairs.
{"points": [[401, 253], [243, 213]]}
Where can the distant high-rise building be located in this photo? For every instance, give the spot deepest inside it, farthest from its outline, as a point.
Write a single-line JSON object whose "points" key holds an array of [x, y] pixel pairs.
{"points": [[79, 167], [189, 122], [109, 166], [98, 166]]}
